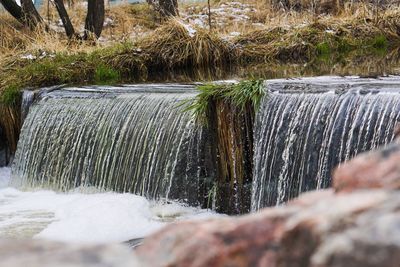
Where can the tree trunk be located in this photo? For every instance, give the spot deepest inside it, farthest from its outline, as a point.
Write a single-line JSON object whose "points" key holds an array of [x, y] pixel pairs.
{"points": [[69, 28], [31, 15], [95, 18], [169, 8], [14, 9]]}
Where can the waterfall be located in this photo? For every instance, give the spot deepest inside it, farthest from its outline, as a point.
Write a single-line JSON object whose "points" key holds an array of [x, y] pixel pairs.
{"points": [[138, 139], [128, 139], [303, 130]]}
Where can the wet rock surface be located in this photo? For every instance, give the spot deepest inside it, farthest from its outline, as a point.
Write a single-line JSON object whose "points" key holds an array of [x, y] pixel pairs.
{"points": [[39, 253], [356, 223], [2, 157], [3, 149]]}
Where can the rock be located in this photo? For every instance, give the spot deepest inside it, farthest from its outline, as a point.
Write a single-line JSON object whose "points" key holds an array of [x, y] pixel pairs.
{"points": [[219, 242], [358, 228], [40, 253], [377, 169], [3, 149], [306, 232], [3, 161], [372, 240]]}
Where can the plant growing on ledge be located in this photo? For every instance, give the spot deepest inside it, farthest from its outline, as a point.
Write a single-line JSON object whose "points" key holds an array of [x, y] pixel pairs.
{"points": [[228, 111], [239, 94]]}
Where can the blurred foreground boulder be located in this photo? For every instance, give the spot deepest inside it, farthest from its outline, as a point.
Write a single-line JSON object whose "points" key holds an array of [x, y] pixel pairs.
{"points": [[356, 223], [380, 169], [40, 253]]}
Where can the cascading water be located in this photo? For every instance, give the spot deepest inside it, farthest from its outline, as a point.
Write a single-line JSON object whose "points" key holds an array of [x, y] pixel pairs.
{"points": [[130, 139], [304, 129], [137, 139]]}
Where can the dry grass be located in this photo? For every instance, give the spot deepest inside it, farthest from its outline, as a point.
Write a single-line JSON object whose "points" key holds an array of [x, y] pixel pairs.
{"points": [[321, 35], [178, 45], [13, 38]]}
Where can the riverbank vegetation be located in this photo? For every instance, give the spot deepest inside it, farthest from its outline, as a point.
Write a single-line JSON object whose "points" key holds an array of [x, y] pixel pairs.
{"points": [[135, 43]]}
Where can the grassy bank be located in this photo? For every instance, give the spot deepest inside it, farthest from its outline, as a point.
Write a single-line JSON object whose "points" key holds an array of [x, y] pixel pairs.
{"points": [[174, 46], [43, 59]]}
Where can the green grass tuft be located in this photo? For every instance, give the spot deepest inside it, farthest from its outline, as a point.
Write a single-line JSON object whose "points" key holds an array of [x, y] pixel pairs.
{"points": [[380, 42], [11, 95], [323, 49], [106, 75], [246, 92], [240, 94]]}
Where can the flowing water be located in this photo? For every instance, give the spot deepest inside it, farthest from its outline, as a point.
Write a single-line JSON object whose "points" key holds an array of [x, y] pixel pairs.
{"points": [[125, 140], [305, 128]]}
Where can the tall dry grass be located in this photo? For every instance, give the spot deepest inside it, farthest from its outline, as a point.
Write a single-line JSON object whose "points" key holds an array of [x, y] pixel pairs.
{"points": [[177, 45]]}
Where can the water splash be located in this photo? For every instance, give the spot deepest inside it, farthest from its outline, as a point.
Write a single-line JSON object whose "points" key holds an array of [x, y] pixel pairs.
{"points": [[86, 215]]}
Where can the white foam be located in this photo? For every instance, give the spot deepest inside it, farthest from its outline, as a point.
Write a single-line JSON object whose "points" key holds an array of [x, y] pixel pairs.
{"points": [[4, 176], [85, 218]]}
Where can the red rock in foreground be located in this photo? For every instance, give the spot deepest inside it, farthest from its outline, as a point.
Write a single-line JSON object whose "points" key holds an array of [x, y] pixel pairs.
{"points": [[379, 169], [358, 227]]}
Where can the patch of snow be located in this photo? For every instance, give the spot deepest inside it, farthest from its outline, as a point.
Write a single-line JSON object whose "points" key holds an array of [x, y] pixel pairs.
{"points": [[108, 22], [191, 31], [199, 23], [28, 56]]}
